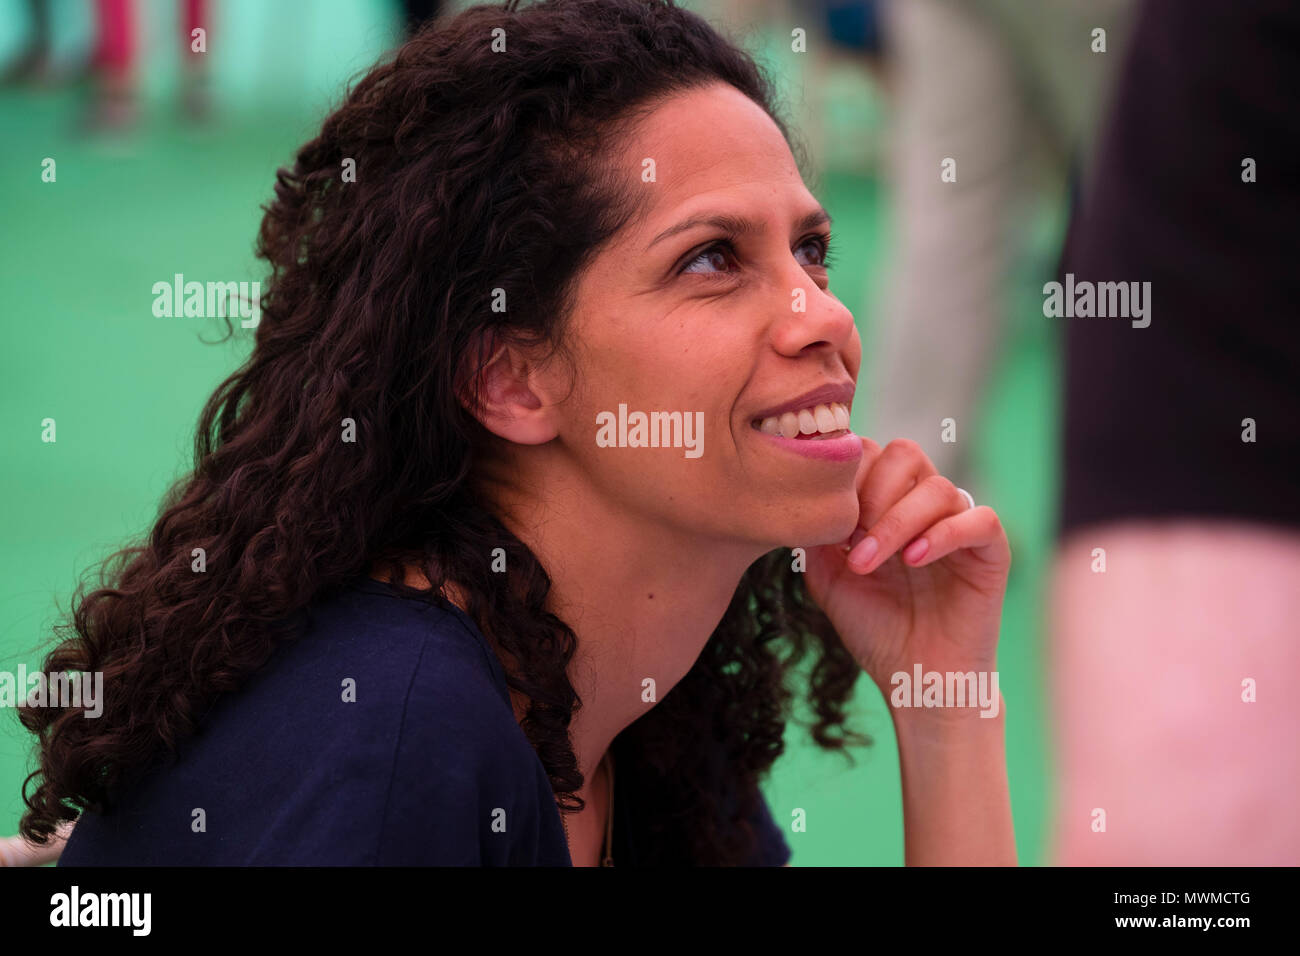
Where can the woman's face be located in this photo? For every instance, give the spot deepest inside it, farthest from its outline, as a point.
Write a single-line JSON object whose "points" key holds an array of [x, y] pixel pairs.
{"points": [[713, 303]]}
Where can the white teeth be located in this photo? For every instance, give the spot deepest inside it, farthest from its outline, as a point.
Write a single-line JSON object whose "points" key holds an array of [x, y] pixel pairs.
{"points": [[821, 419]]}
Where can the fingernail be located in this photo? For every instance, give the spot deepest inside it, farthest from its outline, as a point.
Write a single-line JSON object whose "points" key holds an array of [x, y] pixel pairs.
{"points": [[916, 550], [857, 536], [863, 552]]}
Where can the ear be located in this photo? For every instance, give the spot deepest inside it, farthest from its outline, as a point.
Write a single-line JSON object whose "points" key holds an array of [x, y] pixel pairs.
{"points": [[516, 396]]}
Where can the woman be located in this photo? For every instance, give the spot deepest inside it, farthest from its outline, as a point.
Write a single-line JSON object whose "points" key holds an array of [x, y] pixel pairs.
{"points": [[541, 393]]}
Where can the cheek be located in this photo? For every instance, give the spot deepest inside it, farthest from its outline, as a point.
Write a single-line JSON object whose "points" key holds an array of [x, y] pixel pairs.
{"points": [[691, 360], [666, 428], [853, 353], [671, 371]]}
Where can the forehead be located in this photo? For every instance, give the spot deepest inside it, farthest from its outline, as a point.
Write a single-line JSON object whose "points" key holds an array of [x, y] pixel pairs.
{"points": [[706, 147]]}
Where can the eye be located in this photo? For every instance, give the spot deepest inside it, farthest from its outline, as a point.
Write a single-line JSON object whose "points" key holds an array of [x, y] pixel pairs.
{"points": [[711, 258], [714, 260], [821, 249]]}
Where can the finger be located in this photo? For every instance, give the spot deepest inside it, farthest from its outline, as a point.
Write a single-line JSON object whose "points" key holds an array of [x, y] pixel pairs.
{"points": [[893, 473], [871, 450], [978, 530], [933, 499]]}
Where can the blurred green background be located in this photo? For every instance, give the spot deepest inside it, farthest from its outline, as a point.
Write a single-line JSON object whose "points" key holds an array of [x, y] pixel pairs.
{"points": [[80, 256]]}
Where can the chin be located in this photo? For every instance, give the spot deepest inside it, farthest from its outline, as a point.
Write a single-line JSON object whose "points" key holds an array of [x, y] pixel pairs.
{"points": [[839, 530], [832, 524]]}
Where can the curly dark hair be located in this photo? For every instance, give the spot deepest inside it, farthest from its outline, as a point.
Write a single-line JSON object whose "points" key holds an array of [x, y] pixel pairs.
{"points": [[477, 169]]}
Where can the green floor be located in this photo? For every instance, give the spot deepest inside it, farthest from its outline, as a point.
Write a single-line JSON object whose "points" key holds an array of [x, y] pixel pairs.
{"points": [[78, 261]]}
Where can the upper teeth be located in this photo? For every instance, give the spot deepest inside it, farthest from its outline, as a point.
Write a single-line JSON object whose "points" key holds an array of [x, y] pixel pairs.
{"points": [[807, 421]]}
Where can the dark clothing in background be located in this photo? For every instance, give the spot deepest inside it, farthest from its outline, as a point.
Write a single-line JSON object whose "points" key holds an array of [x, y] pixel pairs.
{"points": [[419, 12], [1153, 416], [851, 24]]}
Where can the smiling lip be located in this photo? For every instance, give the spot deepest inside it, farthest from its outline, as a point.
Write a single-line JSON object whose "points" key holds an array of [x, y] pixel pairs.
{"points": [[826, 395], [840, 446]]}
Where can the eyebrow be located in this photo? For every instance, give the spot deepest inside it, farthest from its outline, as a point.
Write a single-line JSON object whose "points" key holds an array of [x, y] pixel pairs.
{"points": [[739, 225]]}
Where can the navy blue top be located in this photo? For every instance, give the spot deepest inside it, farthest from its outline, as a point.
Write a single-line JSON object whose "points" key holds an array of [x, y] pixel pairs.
{"points": [[427, 766]]}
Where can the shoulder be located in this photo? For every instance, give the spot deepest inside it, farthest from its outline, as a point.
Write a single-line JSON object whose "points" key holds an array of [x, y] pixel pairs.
{"points": [[433, 659], [369, 667], [381, 734], [370, 621], [466, 786]]}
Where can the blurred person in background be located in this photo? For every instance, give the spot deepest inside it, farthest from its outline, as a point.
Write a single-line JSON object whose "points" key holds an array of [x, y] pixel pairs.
{"points": [[114, 60], [1005, 90], [416, 12], [34, 62], [1176, 590], [851, 33]]}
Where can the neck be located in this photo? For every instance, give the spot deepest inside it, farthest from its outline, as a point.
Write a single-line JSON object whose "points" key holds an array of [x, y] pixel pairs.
{"points": [[642, 596]]}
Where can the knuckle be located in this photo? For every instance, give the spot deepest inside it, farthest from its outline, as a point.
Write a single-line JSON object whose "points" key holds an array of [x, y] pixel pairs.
{"points": [[940, 535], [943, 488], [909, 450], [905, 447], [888, 528]]}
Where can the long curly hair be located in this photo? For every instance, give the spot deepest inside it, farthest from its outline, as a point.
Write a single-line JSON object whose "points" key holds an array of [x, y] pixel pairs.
{"points": [[476, 148]]}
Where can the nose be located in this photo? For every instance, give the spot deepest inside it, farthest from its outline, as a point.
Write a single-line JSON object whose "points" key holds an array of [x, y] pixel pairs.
{"points": [[810, 317]]}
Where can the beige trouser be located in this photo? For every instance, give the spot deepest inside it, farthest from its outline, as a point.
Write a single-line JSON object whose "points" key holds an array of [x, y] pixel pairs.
{"points": [[1005, 88]]}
